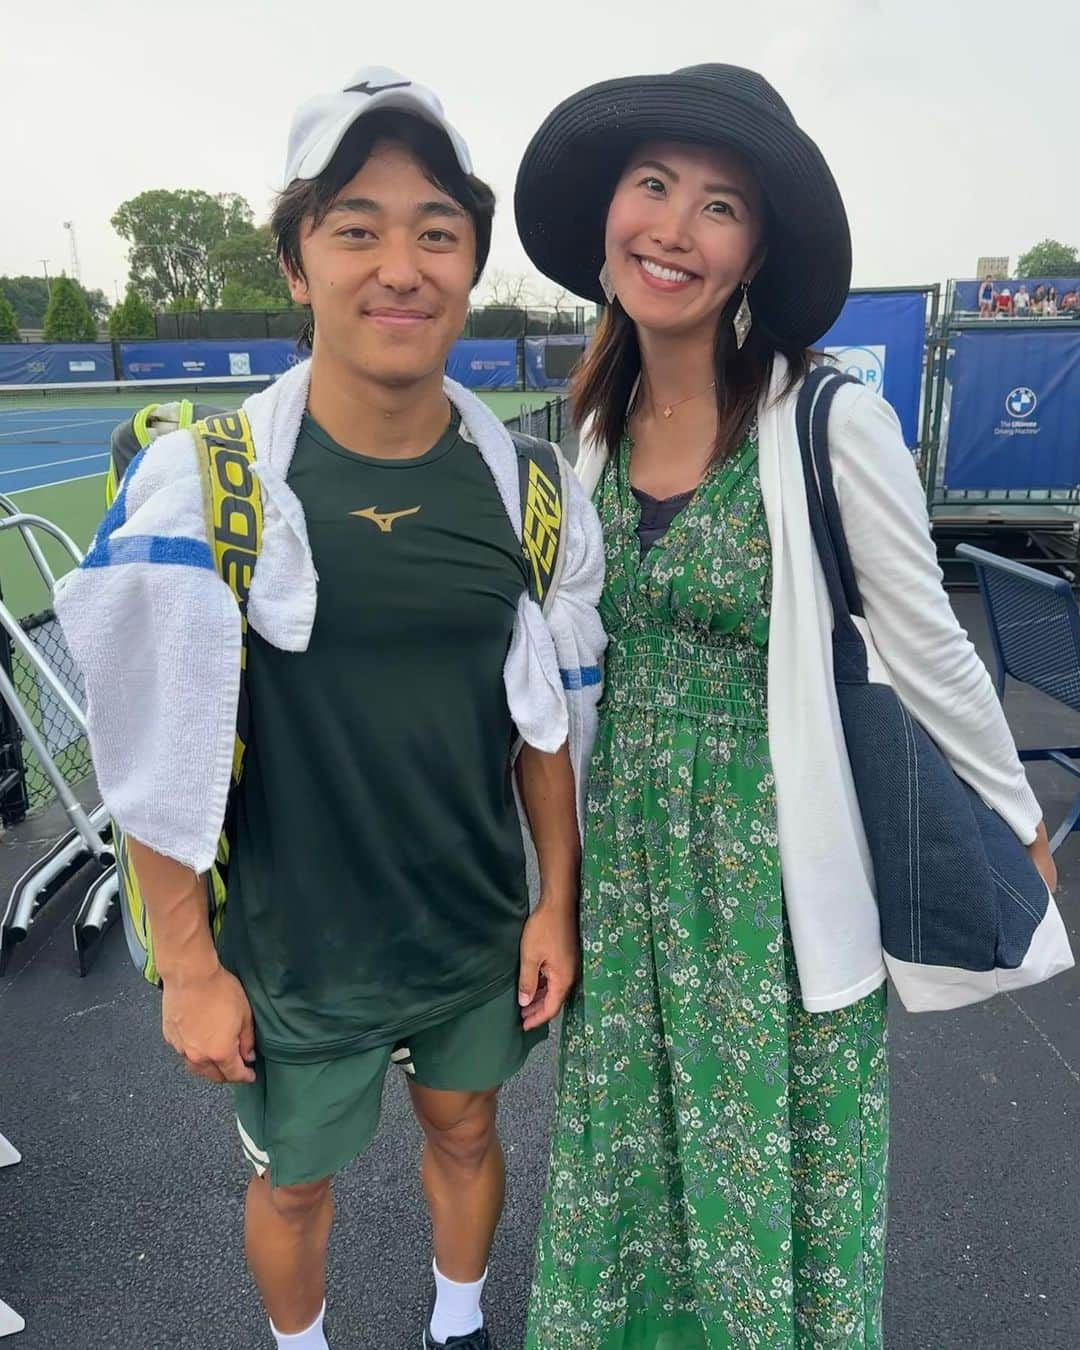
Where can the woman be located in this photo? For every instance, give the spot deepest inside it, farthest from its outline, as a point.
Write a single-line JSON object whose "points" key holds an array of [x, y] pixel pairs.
{"points": [[718, 1160], [986, 297]]}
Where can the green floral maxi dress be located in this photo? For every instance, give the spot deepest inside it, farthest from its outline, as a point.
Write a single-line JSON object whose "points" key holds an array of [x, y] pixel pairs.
{"points": [[718, 1160]]}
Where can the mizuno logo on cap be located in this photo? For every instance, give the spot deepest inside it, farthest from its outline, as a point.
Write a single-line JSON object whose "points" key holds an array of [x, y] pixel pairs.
{"points": [[367, 88]]}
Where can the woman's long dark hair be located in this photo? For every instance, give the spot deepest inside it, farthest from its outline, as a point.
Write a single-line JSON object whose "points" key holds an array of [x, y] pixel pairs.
{"points": [[603, 382]]}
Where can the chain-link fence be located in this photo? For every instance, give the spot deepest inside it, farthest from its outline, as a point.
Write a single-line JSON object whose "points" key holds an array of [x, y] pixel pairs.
{"points": [[519, 321], [483, 321], [63, 737], [550, 421], [199, 325]]}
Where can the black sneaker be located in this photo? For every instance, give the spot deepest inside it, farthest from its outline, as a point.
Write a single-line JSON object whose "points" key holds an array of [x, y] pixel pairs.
{"points": [[475, 1340]]}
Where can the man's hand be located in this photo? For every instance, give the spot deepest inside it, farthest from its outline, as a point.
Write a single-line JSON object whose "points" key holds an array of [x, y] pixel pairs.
{"points": [[549, 961], [1043, 859], [207, 1021], [205, 1015], [549, 943]]}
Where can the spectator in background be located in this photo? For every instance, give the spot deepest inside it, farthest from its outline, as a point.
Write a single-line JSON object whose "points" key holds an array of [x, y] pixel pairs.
{"points": [[1070, 302], [986, 298], [1039, 299], [1022, 303], [1003, 303], [1051, 308]]}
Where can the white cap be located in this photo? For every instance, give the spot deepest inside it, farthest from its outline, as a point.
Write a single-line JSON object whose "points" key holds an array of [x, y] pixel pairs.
{"points": [[319, 125]]}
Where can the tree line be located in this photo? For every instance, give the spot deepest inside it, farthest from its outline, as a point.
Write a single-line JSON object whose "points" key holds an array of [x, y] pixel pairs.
{"points": [[191, 250], [187, 250], [1050, 258]]}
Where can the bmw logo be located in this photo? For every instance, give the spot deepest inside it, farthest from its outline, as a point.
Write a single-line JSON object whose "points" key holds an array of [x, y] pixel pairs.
{"points": [[1021, 402]]}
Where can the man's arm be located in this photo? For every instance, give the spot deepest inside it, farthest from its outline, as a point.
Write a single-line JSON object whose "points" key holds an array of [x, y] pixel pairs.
{"points": [[205, 1015], [549, 943]]}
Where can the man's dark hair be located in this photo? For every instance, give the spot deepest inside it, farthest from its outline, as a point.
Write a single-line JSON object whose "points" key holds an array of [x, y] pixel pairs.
{"points": [[310, 199]]}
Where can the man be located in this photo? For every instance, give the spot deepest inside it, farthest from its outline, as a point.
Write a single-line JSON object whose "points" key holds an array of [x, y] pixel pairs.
{"points": [[377, 906], [986, 297]]}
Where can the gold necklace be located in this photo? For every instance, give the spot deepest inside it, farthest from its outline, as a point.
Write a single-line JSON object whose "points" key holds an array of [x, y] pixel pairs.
{"points": [[669, 408]]}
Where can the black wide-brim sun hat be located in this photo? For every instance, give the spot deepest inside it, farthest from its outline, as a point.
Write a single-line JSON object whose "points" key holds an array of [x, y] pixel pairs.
{"points": [[572, 165]]}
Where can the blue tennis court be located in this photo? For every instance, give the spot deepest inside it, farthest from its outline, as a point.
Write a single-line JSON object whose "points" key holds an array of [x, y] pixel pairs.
{"points": [[48, 441], [54, 453], [52, 435], [43, 447]]}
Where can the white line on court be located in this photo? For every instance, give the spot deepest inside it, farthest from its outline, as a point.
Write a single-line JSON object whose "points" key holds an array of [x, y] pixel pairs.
{"points": [[32, 430], [52, 463], [57, 482]]}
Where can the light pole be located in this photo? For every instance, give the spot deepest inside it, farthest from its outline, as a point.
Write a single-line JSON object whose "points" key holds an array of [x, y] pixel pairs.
{"points": [[69, 225]]}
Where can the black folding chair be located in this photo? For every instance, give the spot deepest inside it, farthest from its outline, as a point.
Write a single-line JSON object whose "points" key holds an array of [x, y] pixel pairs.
{"points": [[1035, 626]]}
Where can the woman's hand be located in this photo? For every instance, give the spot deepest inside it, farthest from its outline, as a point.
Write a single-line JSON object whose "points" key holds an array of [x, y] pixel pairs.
{"points": [[1043, 859]]}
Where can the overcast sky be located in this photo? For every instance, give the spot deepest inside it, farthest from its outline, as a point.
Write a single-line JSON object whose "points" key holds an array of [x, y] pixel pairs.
{"points": [[950, 125]]}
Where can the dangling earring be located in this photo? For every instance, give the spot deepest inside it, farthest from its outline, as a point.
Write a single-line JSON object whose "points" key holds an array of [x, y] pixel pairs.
{"points": [[605, 283], [743, 320]]}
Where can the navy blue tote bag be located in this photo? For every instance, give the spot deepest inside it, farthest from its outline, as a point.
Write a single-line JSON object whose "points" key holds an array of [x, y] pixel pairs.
{"points": [[964, 911]]}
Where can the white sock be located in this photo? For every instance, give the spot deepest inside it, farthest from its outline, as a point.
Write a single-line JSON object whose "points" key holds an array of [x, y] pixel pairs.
{"points": [[457, 1306], [312, 1339]]}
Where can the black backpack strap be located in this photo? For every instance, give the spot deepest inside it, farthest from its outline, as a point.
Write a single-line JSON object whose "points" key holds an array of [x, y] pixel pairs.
{"points": [[826, 526], [129, 437], [541, 474], [812, 423], [123, 447]]}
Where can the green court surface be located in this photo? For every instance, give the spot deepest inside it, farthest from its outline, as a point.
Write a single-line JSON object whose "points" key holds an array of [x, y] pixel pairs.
{"points": [[78, 504], [77, 507]]}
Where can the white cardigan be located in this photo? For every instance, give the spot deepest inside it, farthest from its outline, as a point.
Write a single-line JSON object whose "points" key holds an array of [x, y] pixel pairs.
{"points": [[825, 863]]}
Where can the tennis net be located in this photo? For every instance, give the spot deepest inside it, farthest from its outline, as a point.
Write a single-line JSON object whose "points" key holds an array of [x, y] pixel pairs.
{"points": [[226, 391]]}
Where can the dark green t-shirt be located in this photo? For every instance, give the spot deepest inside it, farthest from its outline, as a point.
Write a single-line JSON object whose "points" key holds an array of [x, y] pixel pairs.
{"points": [[377, 882]]}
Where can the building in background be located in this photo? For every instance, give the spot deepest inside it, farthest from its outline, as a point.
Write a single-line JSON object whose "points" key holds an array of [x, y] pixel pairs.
{"points": [[998, 268]]}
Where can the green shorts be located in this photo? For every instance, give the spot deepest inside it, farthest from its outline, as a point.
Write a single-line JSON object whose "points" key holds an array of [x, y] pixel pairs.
{"points": [[303, 1122]]}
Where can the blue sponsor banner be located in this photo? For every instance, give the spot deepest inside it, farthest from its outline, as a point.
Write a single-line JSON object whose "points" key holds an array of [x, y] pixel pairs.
{"points": [[484, 363], [966, 293], [55, 362], [1012, 418], [195, 360], [538, 373], [880, 337]]}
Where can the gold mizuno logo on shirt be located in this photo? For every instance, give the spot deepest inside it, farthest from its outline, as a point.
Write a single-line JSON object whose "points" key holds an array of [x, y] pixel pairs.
{"points": [[384, 519]]}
